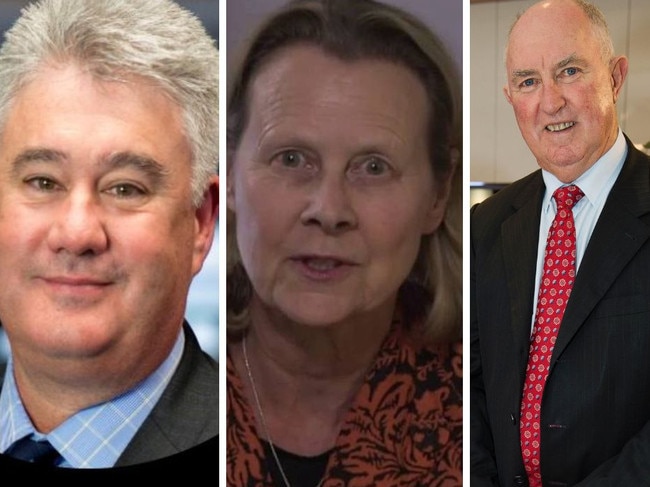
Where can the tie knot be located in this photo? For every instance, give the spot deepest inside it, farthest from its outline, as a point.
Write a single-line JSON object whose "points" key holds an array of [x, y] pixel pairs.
{"points": [[29, 450], [567, 196]]}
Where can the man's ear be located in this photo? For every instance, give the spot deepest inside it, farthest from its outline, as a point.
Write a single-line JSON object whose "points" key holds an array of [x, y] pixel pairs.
{"points": [[506, 92], [206, 217], [619, 73]]}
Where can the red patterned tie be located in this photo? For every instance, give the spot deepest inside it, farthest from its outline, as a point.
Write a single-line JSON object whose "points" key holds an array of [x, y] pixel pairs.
{"points": [[554, 292]]}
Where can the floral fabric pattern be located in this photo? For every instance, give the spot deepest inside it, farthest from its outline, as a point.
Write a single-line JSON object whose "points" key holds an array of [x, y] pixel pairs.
{"points": [[403, 429]]}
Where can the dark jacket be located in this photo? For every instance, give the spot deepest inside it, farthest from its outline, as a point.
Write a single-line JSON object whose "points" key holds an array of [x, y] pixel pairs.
{"points": [[596, 404]]}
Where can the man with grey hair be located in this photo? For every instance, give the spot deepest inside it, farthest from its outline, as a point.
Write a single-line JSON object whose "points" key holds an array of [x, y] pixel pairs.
{"points": [[108, 205], [560, 288]]}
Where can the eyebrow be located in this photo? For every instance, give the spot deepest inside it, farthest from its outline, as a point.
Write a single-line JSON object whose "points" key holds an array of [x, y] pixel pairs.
{"points": [[37, 155], [522, 73], [117, 160], [145, 164], [525, 73], [572, 59]]}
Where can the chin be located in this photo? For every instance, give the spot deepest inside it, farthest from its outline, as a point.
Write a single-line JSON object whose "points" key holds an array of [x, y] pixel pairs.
{"points": [[76, 341], [317, 311]]}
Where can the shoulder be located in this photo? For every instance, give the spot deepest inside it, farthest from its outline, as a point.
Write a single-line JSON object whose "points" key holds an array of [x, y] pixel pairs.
{"points": [[407, 418], [511, 196], [187, 413], [637, 166], [418, 381]]}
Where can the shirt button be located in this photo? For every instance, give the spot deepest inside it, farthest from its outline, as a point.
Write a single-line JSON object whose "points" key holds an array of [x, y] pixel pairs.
{"points": [[520, 481]]}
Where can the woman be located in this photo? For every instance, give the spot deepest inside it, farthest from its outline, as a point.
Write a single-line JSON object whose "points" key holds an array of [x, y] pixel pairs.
{"points": [[344, 249]]}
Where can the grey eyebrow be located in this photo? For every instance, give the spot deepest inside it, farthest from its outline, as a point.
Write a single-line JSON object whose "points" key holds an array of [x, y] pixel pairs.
{"points": [[37, 155], [572, 59], [522, 73], [155, 171], [147, 165]]}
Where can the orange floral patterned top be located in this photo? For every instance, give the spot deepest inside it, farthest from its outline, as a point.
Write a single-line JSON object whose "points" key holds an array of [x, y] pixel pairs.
{"points": [[403, 429]]}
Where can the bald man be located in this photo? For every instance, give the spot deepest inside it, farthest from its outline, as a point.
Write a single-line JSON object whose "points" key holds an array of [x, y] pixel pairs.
{"points": [[560, 362]]}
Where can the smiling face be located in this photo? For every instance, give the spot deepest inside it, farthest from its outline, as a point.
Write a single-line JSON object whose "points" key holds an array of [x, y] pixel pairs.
{"points": [[331, 185], [98, 237], [562, 90]]}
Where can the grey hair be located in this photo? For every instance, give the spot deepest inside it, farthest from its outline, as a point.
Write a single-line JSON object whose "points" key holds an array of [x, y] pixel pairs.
{"points": [[598, 25], [115, 40]]}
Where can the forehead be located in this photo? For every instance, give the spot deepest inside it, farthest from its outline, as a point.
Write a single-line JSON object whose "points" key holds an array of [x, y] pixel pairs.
{"points": [[303, 81], [549, 33], [68, 110]]}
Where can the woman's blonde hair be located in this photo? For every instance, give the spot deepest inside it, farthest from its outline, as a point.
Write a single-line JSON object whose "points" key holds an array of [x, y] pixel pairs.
{"points": [[366, 29]]}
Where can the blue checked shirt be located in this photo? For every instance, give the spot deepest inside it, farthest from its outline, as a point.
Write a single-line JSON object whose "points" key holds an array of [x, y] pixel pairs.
{"points": [[94, 437]]}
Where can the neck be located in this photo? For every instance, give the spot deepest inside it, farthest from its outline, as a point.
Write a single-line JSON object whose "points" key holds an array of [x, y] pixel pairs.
{"points": [[325, 352], [52, 390], [307, 377]]}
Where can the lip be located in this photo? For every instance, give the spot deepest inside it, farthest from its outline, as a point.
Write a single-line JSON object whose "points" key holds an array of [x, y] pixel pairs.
{"points": [[74, 281], [323, 268], [75, 286]]}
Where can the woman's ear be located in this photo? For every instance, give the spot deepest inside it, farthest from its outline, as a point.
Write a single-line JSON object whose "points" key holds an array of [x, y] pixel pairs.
{"points": [[438, 206]]}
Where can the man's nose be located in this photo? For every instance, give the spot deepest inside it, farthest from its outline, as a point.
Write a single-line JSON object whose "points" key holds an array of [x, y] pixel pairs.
{"points": [[78, 225]]}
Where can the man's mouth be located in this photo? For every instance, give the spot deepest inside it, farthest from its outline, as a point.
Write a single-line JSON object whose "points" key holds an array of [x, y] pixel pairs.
{"points": [[558, 127]]}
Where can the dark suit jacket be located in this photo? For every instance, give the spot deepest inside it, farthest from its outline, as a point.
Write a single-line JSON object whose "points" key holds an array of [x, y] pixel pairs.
{"points": [[596, 405], [186, 415]]}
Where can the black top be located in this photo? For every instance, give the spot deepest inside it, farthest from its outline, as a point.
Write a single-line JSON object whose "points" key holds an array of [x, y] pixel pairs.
{"points": [[300, 471]]}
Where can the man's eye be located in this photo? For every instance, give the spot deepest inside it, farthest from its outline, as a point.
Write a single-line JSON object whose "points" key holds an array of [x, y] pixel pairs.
{"points": [[126, 190], [528, 82], [42, 183], [571, 71]]}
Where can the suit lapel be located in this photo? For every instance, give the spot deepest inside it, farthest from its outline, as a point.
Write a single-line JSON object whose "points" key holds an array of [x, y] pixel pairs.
{"points": [[520, 236], [617, 237], [186, 415]]}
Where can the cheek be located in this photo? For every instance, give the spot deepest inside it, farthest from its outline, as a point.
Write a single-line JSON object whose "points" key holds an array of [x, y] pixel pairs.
{"points": [[523, 113], [266, 218], [602, 106], [395, 231], [156, 240]]}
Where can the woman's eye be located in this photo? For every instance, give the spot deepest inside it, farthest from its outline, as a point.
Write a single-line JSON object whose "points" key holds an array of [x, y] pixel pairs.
{"points": [[375, 166], [292, 159], [371, 166]]}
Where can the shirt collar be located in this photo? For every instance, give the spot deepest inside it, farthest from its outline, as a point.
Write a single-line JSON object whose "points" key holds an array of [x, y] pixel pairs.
{"points": [[94, 437], [592, 182]]}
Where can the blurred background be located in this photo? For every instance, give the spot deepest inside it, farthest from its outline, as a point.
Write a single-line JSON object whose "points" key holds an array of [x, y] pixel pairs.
{"points": [[203, 300]]}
